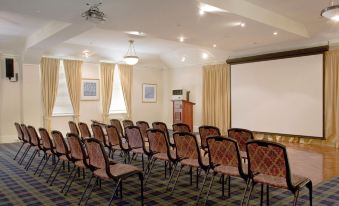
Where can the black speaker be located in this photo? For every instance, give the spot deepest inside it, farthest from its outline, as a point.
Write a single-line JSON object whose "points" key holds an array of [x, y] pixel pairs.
{"points": [[9, 68]]}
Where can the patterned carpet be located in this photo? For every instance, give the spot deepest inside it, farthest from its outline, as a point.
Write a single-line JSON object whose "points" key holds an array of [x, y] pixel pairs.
{"points": [[18, 187]]}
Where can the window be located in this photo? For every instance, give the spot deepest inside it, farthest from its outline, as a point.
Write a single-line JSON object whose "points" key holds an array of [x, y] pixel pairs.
{"points": [[63, 105], [118, 101]]}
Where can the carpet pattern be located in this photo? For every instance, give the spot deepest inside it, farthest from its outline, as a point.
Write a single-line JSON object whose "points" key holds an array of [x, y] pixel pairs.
{"points": [[18, 187]]}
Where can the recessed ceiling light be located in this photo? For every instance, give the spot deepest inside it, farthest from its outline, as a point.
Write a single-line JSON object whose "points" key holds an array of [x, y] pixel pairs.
{"points": [[201, 12], [275, 33], [181, 39], [214, 45], [183, 59], [85, 53], [136, 33], [204, 55], [242, 24]]}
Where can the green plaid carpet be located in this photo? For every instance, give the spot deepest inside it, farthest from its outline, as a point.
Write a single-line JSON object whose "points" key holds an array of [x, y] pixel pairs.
{"points": [[18, 187]]}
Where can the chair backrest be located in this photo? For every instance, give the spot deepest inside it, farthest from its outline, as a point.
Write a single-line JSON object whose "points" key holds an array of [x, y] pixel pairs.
{"points": [[34, 136], [61, 147], [186, 145], [27, 138], [127, 123], [162, 126], [46, 139], [224, 151], [113, 135], [97, 157], [134, 137], [144, 126], [181, 127], [157, 141], [19, 131], [268, 158], [84, 130], [117, 124], [241, 135], [98, 133], [76, 147], [206, 131], [73, 128]]}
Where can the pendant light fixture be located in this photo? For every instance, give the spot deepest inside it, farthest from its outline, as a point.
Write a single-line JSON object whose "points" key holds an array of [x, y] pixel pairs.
{"points": [[131, 57], [331, 12]]}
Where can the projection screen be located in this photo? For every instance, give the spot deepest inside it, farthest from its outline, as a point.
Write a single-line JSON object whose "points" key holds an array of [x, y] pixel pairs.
{"points": [[283, 96]]}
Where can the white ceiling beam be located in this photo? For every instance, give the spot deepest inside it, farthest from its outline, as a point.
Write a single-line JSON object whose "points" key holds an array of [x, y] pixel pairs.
{"points": [[259, 14]]}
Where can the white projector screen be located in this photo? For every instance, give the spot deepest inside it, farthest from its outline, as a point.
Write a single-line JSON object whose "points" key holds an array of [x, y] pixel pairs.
{"points": [[283, 96]]}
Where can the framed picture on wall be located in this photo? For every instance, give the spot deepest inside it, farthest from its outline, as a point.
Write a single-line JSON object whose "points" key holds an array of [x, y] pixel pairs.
{"points": [[149, 93], [90, 90]]}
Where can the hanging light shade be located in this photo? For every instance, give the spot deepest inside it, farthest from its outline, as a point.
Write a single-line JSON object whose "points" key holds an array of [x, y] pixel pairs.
{"points": [[131, 57], [331, 12]]}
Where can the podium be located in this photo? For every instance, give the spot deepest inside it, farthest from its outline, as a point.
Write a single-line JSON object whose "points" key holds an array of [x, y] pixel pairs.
{"points": [[183, 112]]}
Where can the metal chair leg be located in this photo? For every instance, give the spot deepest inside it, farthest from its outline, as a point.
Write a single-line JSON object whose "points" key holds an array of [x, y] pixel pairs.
{"points": [[69, 177], [309, 186], [70, 184], [150, 169], [90, 192], [53, 170], [222, 186], [249, 196], [267, 195], [176, 180], [244, 195], [19, 151], [32, 159], [172, 173], [261, 194], [141, 177], [86, 188], [24, 155], [43, 167], [191, 176], [42, 159], [296, 195], [202, 187], [114, 191], [57, 173], [209, 188]]}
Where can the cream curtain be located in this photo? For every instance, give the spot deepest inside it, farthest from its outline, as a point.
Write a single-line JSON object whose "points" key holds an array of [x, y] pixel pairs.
{"points": [[73, 78], [49, 87], [216, 96], [107, 76], [126, 76]]}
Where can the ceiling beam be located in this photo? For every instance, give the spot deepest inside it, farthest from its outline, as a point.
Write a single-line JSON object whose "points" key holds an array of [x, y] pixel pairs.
{"points": [[260, 14]]}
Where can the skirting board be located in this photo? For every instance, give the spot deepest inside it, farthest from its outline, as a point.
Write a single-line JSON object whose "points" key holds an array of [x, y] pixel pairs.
{"points": [[8, 139]]}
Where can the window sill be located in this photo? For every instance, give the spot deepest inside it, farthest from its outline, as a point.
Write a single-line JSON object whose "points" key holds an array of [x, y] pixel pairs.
{"points": [[63, 115], [117, 112]]}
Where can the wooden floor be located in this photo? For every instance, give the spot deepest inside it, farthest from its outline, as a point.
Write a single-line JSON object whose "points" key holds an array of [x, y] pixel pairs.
{"points": [[316, 162]]}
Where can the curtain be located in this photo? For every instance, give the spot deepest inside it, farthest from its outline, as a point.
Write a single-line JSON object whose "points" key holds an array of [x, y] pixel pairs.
{"points": [[216, 96], [73, 78], [126, 76], [107, 76], [49, 87]]}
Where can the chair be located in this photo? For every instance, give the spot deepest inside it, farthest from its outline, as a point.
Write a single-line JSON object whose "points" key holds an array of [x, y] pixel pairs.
{"points": [[84, 131], [61, 151], [27, 139], [78, 157], [99, 134], [224, 159], [162, 126], [47, 147], [160, 150], [188, 153], [242, 136], [268, 165], [181, 127], [117, 124], [136, 143], [143, 126], [102, 168], [115, 142], [127, 122], [20, 137], [206, 131], [73, 128], [35, 144]]}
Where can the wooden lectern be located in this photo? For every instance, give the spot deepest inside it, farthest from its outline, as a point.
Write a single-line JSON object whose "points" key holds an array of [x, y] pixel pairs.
{"points": [[183, 112]]}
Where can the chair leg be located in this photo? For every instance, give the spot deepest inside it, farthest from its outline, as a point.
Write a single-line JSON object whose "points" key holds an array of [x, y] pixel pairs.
{"points": [[165, 167], [202, 187], [142, 160], [53, 170], [114, 191], [249, 196], [31, 159], [43, 167], [90, 192], [243, 197], [172, 173], [191, 175], [24, 155], [222, 186], [141, 177], [70, 184], [229, 186], [197, 178], [209, 188], [19, 151], [150, 169], [69, 177], [261, 194], [309, 186], [267, 195], [176, 180], [88, 184], [57, 173], [42, 159], [296, 195]]}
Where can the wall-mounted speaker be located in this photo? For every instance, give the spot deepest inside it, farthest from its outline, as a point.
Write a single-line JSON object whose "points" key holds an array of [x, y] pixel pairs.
{"points": [[9, 68]]}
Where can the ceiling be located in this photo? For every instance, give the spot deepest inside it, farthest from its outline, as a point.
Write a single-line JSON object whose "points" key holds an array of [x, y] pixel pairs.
{"points": [[55, 28]]}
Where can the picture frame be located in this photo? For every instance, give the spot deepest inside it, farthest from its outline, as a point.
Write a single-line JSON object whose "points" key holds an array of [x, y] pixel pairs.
{"points": [[149, 93], [90, 90]]}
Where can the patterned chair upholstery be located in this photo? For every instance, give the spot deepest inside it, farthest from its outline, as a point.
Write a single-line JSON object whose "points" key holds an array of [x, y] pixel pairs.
{"points": [[73, 128], [99, 134], [181, 127], [20, 137], [117, 124], [188, 153], [163, 127], [144, 126], [268, 165], [136, 142], [27, 139], [115, 142], [160, 150], [104, 169], [206, 131], [224, 159], [48, 148], [242, 136], [127, 122], [84, 131]]}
